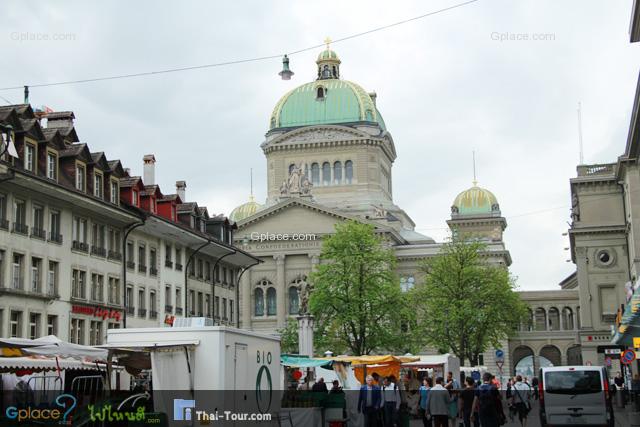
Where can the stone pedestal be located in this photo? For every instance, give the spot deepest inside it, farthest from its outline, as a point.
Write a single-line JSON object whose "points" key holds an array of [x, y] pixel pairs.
{"points": [[305, 334]]}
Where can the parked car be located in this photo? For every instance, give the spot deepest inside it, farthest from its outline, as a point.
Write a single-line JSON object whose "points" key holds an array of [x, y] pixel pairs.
{"points": [[575, 395]]}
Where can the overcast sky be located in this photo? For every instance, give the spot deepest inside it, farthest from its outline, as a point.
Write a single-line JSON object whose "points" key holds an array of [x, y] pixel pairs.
{"points": [[445, 87]]}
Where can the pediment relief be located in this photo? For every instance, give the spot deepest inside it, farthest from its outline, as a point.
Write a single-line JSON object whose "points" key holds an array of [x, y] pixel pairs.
{"points": [[320, 134]]}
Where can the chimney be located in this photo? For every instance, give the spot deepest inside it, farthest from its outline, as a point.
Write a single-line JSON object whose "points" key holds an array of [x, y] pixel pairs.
{"points": [[180, 189], [149, 169], [373, 97], [60, 119]]}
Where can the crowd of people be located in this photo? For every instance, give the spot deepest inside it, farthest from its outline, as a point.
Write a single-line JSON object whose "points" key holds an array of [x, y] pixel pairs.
{"points": [[443, 402]]}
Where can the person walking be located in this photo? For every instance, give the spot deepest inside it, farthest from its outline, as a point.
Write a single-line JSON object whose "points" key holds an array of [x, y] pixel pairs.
{"points": [[465, 403], [424, 394], [509, 396], [391, 401], [521, 400], [487, 403], [534, 387], [369, 401], [454, 388], [438, 402]]}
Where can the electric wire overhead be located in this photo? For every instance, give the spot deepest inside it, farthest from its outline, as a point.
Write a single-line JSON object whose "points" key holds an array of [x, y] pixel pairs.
{"points": [[241, 61]]}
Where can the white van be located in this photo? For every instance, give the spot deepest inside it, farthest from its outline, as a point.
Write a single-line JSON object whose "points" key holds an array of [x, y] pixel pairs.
{"points": [[575, 395]]}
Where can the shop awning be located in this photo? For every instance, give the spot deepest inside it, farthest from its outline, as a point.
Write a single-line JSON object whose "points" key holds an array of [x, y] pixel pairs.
{"points": [[628, 324], [53, 346], [304, 362], [374, 360], [42, 363]]}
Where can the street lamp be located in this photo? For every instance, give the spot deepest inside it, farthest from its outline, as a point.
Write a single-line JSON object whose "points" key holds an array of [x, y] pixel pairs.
{"points": [[286, 73], [7, 142]]}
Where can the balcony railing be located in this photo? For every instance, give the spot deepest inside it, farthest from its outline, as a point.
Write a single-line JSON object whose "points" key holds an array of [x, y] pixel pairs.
{"points": [[38, 233], [4, 223], [142, 268], [179, 310], [168, 308], [142, 312], [113, 255], [20, 228], [80, 246], [131, 310], [153, 314], [178, 266], [153, 271], [97, 250], [55, 237], [168, 263]]}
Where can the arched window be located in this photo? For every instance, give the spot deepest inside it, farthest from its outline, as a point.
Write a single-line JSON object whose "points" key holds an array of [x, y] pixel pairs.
{"points": [[315, 174], [320, 93], [271, 302], [337, 172], [554, 319], [259, 302], [567, 319], [348, 172], [294, 301], [540, 319], [326, 173]]}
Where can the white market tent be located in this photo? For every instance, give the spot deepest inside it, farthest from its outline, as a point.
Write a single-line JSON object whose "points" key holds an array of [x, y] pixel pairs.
{"points": [[55, 347]]}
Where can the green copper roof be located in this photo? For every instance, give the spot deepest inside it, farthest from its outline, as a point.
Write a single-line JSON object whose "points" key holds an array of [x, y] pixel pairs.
{"points": [[344, 102], [476, 201], [328, 55]]}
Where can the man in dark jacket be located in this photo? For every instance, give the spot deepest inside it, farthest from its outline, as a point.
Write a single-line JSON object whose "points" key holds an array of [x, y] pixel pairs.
{"points": [[369, 401]]}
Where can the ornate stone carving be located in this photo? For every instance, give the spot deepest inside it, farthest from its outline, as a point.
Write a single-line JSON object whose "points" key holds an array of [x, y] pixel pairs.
{"points": [[321, 135], [297, 183], [454, 209], [575, 208], [379, 211]]}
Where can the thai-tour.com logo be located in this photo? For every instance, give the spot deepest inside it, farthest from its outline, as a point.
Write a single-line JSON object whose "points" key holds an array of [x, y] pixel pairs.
{"points": [[183, 409], [58, 414]]}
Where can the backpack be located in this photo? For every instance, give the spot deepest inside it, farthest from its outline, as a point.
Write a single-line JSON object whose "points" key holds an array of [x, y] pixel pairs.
{"points": [[487, 400]]}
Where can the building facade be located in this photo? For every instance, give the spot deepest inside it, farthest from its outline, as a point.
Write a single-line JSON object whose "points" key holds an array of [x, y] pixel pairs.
{"points": [[85, 246]]}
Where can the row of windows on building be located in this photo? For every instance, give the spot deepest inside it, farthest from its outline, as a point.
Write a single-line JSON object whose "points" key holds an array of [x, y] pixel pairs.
{"points": [[41, 277], [105, 241], [17, 319], [51, 172], [265, 299], [328, 174]]}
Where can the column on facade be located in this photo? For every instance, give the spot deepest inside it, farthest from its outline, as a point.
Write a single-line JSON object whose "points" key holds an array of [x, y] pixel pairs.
{"points": [[574, 311], [561, 309], [546, 317], [315, 260], [246, 299], [281, 308]]}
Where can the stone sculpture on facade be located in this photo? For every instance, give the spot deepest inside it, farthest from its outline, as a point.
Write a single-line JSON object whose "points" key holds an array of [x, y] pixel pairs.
{"points": [[297, 184]]}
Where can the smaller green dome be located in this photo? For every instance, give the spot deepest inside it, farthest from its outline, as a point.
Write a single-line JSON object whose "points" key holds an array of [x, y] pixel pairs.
{"points": [[245, 210], [475, 201], [328, 55]]}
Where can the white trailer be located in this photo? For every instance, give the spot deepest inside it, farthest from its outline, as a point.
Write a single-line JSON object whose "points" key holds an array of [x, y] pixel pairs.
{"points": [[227, 368]]}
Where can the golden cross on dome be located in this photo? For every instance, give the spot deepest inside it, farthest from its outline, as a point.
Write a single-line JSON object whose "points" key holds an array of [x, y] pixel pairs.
{"points": [[327, 41]]}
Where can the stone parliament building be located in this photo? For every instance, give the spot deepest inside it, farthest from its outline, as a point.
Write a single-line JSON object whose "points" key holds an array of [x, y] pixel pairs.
{"points": [[329, 158]]}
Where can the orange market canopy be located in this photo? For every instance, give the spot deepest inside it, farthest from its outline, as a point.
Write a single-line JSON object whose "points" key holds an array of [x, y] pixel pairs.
{"points": [[383, 365]]}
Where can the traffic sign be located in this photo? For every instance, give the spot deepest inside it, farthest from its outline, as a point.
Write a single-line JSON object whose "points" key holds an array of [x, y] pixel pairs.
{"points": [[499, 354], [628, 356], [607, 362], [636, 342]]}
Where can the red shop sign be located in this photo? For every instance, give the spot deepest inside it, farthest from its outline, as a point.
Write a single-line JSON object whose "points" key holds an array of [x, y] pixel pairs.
{"points": [[101, 312]]}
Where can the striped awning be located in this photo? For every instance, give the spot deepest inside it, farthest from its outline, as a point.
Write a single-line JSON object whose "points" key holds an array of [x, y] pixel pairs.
{"points": [[628, 325]]}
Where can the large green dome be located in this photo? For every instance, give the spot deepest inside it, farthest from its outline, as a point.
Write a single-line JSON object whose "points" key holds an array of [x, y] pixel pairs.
{"points": [[328, 100]]}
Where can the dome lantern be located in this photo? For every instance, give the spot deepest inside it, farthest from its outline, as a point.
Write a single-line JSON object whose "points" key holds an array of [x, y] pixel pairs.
{"points": [[328, 63]]}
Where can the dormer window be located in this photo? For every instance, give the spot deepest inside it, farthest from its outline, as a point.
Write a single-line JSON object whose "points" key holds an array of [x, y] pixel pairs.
{"points": [[80, 177], [29, 157], [98, 187], [320, 93]]}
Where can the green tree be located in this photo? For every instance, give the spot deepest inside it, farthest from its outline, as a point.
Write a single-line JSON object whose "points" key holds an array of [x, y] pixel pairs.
{"points": [[356, 296], [289, 337], [466, 304]]}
